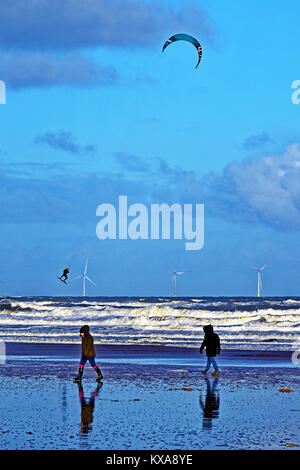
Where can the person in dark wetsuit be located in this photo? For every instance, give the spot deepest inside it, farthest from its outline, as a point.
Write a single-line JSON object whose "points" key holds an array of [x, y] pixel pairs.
{"points": [[212, 344], [64, 275], [87, 353]]}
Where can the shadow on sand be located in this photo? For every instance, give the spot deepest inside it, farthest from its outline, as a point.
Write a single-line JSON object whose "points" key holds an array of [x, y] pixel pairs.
{"points": [[87, 408], [210, 406]]}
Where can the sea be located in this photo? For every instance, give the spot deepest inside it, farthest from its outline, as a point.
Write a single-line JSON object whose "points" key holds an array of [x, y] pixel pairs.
{"points": [[242, 323]]}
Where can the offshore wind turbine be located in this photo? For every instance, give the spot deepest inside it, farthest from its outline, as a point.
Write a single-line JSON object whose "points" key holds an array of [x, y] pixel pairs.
{"points": [[176, 273], [259, 281], [84, 277]]}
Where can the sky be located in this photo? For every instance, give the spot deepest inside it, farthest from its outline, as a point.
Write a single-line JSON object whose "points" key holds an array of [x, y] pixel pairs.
{"points": [[95, 110]]}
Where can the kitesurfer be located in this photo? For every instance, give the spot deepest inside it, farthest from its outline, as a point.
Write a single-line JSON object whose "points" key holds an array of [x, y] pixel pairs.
{"points": [[64, 275]]}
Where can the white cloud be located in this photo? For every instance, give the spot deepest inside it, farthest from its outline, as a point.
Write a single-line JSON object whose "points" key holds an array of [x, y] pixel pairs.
{"points": [[264, 189]]}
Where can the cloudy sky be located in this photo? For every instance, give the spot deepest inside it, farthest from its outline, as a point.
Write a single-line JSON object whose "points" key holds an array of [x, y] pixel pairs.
{"points": [[94, 110]]}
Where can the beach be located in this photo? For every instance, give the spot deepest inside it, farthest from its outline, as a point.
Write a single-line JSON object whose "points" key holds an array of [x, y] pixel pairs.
{"points": [[152, 397]]}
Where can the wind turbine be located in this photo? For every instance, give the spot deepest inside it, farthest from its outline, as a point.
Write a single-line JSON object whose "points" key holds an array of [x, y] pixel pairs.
{"points": [[175, 273], [84, 277], [259, 282]]}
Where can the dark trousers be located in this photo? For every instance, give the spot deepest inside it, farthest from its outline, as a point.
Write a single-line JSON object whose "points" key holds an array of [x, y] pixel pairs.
{"points": [[91, 360]]}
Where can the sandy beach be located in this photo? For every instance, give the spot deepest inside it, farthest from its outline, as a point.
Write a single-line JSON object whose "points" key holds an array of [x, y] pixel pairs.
{"points": [[152, 397]]}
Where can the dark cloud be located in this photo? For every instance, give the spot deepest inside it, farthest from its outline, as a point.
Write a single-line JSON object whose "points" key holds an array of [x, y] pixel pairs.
{"points": [[65, 141], [66, 198], [61, 196], [31, 168], [65, 25], [257, 141], [36, 69], [40, 40], [132, 163], [263, 191]]}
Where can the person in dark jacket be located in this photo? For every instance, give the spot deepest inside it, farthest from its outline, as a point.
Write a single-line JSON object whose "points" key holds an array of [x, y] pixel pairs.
{"points": [[87, 353], [212, 344]]}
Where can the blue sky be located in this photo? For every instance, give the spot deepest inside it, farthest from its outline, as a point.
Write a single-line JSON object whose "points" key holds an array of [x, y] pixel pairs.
{"points": [[95, 110]]}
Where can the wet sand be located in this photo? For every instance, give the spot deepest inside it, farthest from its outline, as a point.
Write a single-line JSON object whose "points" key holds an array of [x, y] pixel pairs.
{"points": [[152, 398]]}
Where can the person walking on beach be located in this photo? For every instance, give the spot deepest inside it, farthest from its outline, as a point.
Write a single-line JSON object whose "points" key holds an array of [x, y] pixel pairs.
{"points": [[212, 344], [87, 353]]}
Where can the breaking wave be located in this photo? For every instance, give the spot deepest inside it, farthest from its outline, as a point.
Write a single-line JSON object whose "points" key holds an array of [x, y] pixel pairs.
{"points": [[247, 323]]}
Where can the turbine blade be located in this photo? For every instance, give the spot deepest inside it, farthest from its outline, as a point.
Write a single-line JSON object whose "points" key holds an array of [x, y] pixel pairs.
{"points": [[252, 267], [90, 280], [86, 264], [77, 277]]}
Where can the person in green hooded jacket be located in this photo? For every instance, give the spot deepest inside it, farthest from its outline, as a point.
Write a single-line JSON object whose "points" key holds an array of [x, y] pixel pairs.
{"points": [[87, 354]]}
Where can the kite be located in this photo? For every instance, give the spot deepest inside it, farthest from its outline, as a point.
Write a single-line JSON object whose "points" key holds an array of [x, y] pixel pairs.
{"points": [[185, 37]]}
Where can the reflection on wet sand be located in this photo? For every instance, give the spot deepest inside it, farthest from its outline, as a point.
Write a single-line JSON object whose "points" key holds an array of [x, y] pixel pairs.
{"points": [[87, 408], [211, 404]]}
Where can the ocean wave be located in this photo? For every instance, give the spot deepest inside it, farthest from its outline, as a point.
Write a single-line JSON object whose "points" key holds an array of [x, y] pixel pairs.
{"points": [[243, 321]]}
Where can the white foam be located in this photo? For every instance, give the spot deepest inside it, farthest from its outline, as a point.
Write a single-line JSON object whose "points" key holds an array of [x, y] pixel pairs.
{"points": [[164, 321]]}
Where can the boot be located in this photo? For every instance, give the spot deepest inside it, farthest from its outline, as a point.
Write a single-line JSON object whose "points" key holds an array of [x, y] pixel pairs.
{"points": [[100, 376], [97, 390], [79, 376]]}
